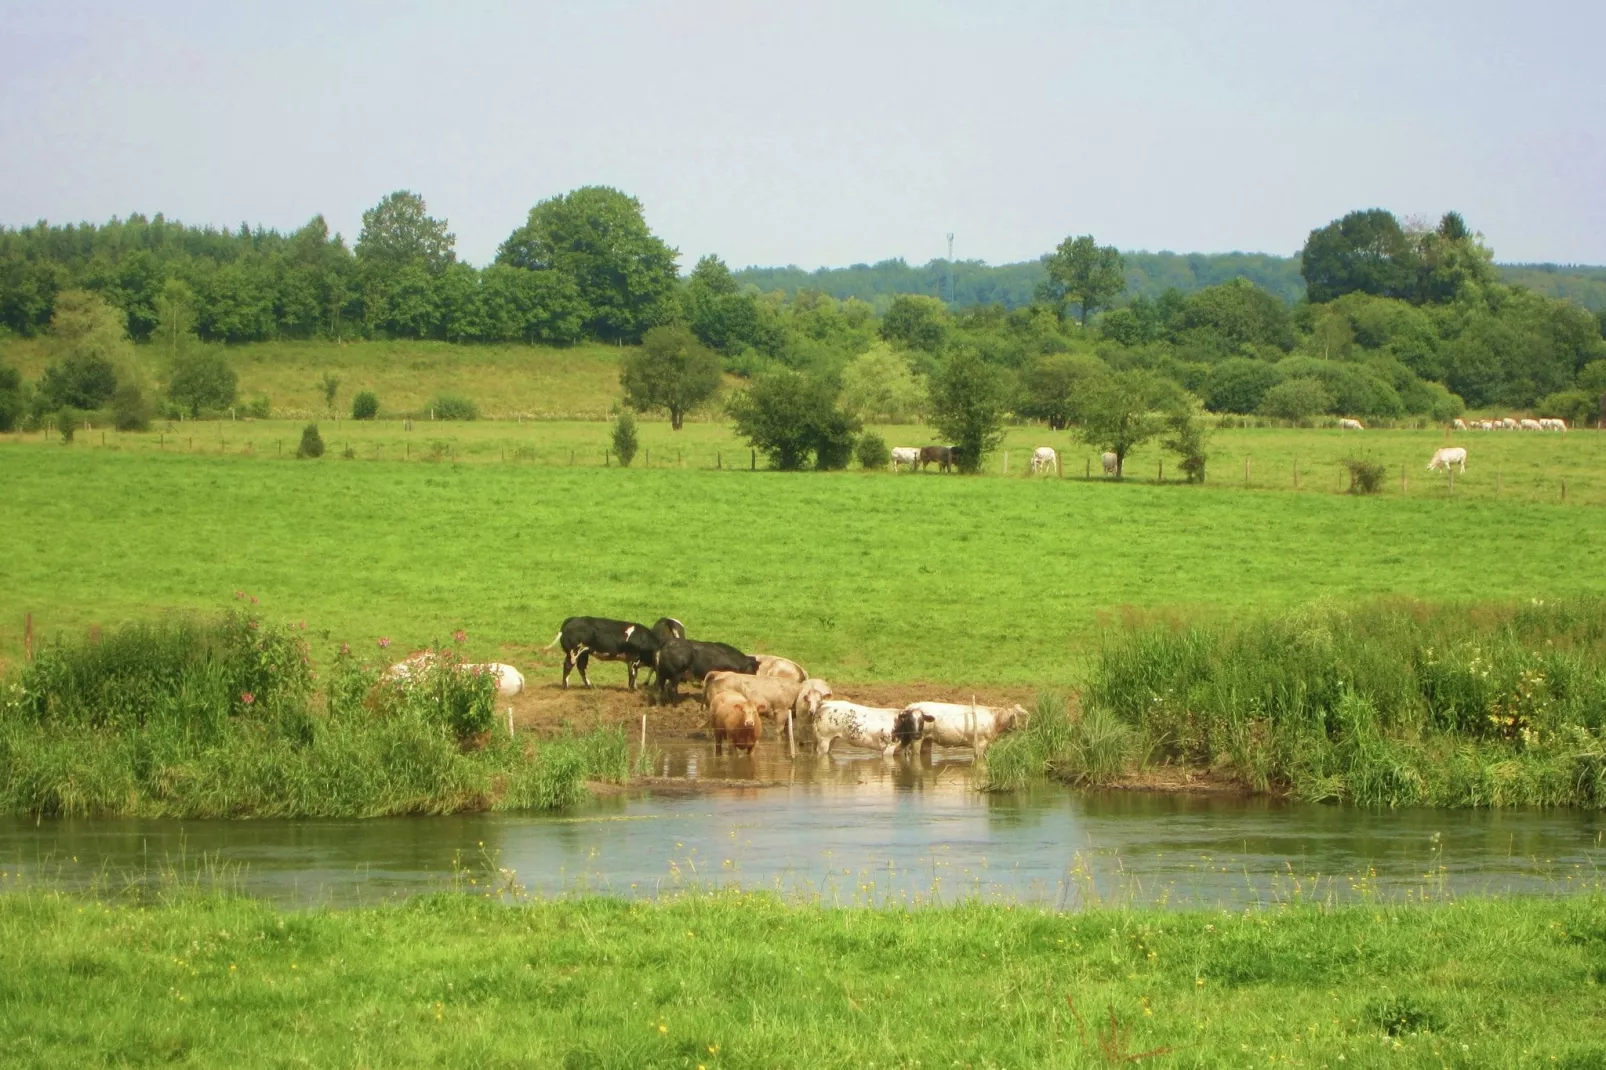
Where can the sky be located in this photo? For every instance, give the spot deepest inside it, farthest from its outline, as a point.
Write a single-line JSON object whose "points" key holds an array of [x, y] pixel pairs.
{"points": [[821, 133]]}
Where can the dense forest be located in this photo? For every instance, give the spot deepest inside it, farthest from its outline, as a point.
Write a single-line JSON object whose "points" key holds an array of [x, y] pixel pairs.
{"points": [[1374, 318]]}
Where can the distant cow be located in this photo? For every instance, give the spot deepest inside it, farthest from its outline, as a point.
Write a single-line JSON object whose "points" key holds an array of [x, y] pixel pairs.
{"points": [[1531, 425], [1044, 457], [1508, 423], [1459, 424], [1551, 423], [735, 717], [1347, 424], [1111, 463], [941, 456], [874, 727], [779, 697], [905, 455], [509, 681], [780, 668], [681, 660], [583, 638], [1448, 455], [960, 724]]}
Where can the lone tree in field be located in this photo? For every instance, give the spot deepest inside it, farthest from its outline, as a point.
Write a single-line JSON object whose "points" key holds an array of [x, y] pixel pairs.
{"points": [[624, 438], [968, 401], [791, 417], [1125, 410], [1085, 272], [671, 371]]}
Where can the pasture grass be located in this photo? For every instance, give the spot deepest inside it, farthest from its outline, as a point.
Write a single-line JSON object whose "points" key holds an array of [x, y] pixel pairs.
{"points": [[861, 576], [738, 980]]}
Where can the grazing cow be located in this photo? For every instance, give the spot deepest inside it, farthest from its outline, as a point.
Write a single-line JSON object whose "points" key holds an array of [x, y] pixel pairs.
{"points": [[960, 724], [1045, 457], [905, 455], [1347, 424], [1448, 455], [1508, 424], [688, 659], [1551, 423], [735, 717], [778, 696], [1459, 424], [1531, 425], [941, 456], [1111, 463], [583, 638], [874, 727], [780, 668], [1487, 425]]}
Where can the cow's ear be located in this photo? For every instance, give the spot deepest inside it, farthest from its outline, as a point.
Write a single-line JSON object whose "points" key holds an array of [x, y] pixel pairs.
{"points": [[927, 717]]}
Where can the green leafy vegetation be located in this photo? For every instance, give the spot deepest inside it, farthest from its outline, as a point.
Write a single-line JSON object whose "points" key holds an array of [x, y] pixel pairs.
{"points": [[624, 439], [365, 406], [311, 442]]}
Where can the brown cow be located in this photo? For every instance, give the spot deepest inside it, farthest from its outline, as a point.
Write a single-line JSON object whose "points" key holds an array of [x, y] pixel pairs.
{"points": [[773, 696], [941, 456], [735, 717]]}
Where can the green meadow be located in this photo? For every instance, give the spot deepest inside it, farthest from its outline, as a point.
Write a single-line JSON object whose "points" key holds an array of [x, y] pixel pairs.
{"points": [[730, 980], [862, 575]]}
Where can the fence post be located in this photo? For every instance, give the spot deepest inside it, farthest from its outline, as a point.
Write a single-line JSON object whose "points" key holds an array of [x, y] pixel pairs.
{"points": [[719, 461], [1246, 471], [606, 460], [1564, 490], [1296, 473], [1403, 485], [649, 459], [1089, 473], [27, 636], [1162, 470], [1006, 462]]}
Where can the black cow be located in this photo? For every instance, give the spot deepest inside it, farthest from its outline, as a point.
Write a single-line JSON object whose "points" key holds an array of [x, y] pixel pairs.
{"points": [[583, 638], [688, 659], [665, 628]]}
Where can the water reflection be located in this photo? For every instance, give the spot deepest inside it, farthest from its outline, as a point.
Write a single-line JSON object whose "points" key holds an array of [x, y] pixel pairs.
{"points": [[856, 828]]}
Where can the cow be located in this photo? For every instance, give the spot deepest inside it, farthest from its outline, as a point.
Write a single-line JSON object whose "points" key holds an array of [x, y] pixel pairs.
{"points": [[1347, 424], [1551, 423], [583, 638], [734, 716], [961, 724], [780, 668], [1459, 424], [1045, 457], [781, 697], [1111, 463], [941, 456], [905, 455], [509, 681], [874, 727], [1507, 424], [1448, 455], [688, 659], [1530, 425], [1487, 425]]}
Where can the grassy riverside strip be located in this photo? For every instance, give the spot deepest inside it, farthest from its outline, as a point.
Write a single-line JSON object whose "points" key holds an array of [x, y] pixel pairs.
{"points": [[736, 980]]}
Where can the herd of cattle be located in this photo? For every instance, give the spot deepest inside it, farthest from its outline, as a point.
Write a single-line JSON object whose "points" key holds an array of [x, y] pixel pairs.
{"points": [[742, 691]]}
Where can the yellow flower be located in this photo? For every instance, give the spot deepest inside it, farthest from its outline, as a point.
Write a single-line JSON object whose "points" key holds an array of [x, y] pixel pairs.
{"points": [[662, 1028]]}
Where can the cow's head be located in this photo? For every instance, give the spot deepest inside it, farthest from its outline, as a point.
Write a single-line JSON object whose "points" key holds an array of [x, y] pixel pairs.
{"points": [[910, 725], [751, 666], [810, 696], [1013, 718]]}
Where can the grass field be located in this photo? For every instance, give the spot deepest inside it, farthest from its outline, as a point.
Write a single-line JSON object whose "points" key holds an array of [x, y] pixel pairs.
{"points": [[864, 576], [730, 980]]}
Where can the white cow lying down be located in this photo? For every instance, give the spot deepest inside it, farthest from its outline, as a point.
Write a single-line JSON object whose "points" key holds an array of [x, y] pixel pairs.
{"points": [[959, 724], [875, 727], [1448, 455], [509, 681]]}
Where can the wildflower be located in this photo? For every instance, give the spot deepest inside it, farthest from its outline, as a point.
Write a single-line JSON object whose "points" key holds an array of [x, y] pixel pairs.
{"points": [[301, 624], [247, 698], [384, 641], [662, 1028], [459, 636], [345, 648], [253, 600]]}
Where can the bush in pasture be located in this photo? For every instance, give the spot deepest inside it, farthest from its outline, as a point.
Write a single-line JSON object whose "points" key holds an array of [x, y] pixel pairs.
{"points": [[1187, 437], [872, 452], [257, 408], [880, 385], [131, 411], [329, 387], [66, 424], [969, 397], [672, 371], [1123, 411], [202, 381], [791, 417], [365, 406], [625, 442], [454, 407], [1365, 475], [1296, 400], [1578, 407], [12, 402], [311, 442]]}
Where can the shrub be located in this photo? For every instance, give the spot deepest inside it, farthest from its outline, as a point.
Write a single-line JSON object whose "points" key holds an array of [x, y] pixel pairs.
{"points": [[445, 692], [968, 399], [1579, 408], [365, 406], [11, 399], [1365, 475], [311, 442], [790, 417], [257, 408], [202, 380], [130, 408], [67, 423], [872, 452], [454, 407], [1187, 439], [624, 438], [1296, 400]]}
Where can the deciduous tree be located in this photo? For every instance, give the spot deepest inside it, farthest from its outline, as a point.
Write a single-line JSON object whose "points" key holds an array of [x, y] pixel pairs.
{"points": [[1083, 272], [969, 398], [671, 371], [1126, 409]]}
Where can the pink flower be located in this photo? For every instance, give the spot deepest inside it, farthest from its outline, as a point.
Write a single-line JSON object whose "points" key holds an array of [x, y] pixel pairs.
{"points": [[459, 636], [384, 641], [301, 624], [239, 596], [247, 698], [253, 600], [345, 648], [251, 624]]}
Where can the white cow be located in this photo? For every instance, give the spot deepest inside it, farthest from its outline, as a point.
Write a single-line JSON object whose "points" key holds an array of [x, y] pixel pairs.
{"points": [[1347, 424], [780, 668], [905, 455], [959, 724], [1045, 457], [509, 681], [1459, 424], [1508, 423], [1487, 425], [875, 727], [1110, 462], [1551, 423], [1448, 455], [1531, 425]]}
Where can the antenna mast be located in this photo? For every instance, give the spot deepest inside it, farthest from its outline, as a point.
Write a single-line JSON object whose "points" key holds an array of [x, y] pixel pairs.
{"points": [[950, 267]]}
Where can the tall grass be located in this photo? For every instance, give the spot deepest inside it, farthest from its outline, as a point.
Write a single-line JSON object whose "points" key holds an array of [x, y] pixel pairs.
{"points": [[216, 718], [1392, 703]]}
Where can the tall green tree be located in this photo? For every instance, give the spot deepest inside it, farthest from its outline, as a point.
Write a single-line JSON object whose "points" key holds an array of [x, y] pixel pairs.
{"points": [[1051, 387], [969, 399], [175, 319], [1366, 251], [398, 232], [89, 340], [1082, 272], [792, 417], [598, 236], [880, 385], [915, 321], [672, 371], [1125, 410]]}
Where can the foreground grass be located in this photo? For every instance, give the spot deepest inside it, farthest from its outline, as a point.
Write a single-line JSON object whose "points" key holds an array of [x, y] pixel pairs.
{"points": [[741, 981], [859, 575]]}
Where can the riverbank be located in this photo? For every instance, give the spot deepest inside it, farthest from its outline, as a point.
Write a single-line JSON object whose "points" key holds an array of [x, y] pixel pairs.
{"points": [[736, 980]]}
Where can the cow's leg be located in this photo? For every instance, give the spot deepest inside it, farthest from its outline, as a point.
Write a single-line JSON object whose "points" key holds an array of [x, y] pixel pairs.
{"points": [[719, 742], [630, 674], [568, 667], [582, 661]]}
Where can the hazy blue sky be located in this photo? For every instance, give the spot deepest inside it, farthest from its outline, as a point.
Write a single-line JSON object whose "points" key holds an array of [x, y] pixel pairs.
{"points": [[821, 133]]}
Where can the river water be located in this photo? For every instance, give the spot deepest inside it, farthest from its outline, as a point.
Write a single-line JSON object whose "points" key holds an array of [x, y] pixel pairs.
{"points": [[846, 830]]}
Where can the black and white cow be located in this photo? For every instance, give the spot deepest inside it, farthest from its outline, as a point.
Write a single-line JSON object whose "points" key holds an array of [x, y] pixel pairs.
{"points": [[605, 639], [688, 659]]}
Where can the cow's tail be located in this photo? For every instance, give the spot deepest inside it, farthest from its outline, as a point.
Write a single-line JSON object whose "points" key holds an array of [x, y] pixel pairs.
{"points": [[556, 639]]}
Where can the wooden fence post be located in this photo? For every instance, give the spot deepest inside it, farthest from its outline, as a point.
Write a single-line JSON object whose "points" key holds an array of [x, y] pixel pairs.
{"points": [[1089, 473], [27, 636], [1246, 471], [1162, 470], [1564, 490], [1296, 473], [1403, 485]]}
